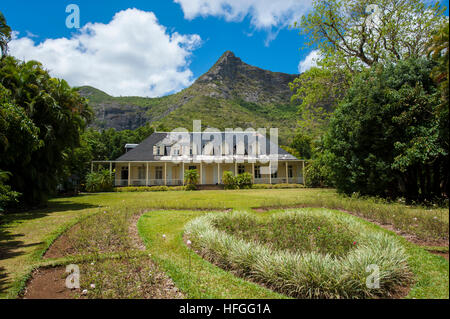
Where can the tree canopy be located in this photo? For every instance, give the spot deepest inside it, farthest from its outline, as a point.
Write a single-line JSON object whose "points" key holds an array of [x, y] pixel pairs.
{"points": [[43, 119]]}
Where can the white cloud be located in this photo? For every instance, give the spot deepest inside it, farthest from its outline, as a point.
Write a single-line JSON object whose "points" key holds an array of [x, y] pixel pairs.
{"points": [[131, 55], [264, 14], [309, 62]]}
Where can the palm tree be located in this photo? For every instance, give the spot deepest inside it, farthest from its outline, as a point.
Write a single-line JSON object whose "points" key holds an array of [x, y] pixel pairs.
{"points": [[191, 179], [5, 35]]}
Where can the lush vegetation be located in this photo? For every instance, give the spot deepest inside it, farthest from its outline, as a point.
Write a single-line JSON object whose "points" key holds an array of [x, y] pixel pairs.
{"points": [[389, 136], [100, 181], [374, 117], [167, 214], [337, 249], [41, 120], [240, 181], [191, 179]]}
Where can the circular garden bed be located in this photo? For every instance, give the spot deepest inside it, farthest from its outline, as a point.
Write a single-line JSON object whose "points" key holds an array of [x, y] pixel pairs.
{"points": [[304, 253]]}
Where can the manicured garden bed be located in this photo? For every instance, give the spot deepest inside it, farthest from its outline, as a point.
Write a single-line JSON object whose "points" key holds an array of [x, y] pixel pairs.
{"points": [[303, 253]]}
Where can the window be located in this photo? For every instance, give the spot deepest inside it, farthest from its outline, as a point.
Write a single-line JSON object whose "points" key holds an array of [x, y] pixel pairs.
{"points": [[192, 167], [275, 174], [159, 172], [176, 151], [290, 172], [241, 169], [141, 172], [124, 172], [257, 172]]}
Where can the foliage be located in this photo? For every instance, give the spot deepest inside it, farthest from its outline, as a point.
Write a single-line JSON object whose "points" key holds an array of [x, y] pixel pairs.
{"points": [[289, 272], [7, 196], [241, 181], [228, 180], [318, 174], [101, 146], [45, 117], [149, 189], [386, 137], [318, 91], [244, 180], [276, 186], [191, 179], [354, 35], [100, 181], [302, 144], [5, 35]]}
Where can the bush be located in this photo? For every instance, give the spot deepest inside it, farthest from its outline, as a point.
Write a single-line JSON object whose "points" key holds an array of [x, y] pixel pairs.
{"points": [[100, 181], [149, 189], [229, 181], [241, 181], [317, 174], [244, 181], [191, 179], [276, 186]]}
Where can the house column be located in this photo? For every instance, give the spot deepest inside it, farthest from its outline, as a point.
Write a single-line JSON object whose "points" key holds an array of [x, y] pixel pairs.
{"points": [[287, 175], [146, 175], [270, 172], [201, 173], [303, 172], [218, 173], [92, 167], [129, 173], [165, 173], [235, 168], [253, 173], [182, 172], [110, 169]]}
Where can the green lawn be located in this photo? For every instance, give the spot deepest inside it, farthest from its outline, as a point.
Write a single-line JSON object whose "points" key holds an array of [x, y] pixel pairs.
{"points": [[25, 237]]}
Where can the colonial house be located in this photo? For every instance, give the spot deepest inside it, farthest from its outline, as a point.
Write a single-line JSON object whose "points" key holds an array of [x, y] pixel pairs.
{"points": [[163, 157]]}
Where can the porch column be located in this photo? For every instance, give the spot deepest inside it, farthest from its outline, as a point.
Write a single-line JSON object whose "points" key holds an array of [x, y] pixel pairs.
{"points": [[303, 172], [129, 173], [270, 172], [287, 175], [146, 175], [253, 173], [182, 172], [165, 173], [92, 167], [201, 173], [218, 173], [110, 169], [235, 168]]}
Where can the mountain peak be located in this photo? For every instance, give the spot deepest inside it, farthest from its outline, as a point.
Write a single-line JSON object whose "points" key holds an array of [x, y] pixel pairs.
{"points": [[230, 77]]}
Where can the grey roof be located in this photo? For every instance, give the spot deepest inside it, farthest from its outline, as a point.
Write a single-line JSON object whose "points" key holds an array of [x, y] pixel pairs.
{"points": [[144, 151]]}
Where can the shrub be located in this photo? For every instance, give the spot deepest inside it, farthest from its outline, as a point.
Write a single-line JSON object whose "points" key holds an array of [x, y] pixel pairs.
{"points": [[229, 181], [149, 189], [241, 181], [317, 174], [276, 186], [191, 179], [244, 180], [100, 181], [311, 271]]}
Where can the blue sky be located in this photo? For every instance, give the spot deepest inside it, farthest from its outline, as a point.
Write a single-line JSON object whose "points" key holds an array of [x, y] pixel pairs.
{"points": [[255, 30]]}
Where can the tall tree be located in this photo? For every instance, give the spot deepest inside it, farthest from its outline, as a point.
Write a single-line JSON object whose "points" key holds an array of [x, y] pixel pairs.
{"points": [[385, 137], [5, 35], [58, 113], [360, 33]]}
